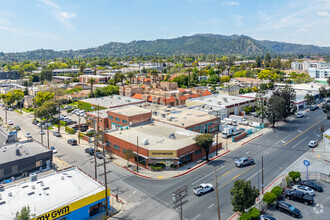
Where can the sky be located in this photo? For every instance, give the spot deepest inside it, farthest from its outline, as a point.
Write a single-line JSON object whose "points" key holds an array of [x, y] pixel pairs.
{"points": [[78, 24]]}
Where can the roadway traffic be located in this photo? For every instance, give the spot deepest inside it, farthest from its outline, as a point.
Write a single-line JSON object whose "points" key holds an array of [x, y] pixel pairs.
{"points": [[149, 199]]}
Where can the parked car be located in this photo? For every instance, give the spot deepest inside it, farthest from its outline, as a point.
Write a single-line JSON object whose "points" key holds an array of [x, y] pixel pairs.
{"points": [[35, 122], [72, 142], [202, 189], [304, 189], [41, 132], [28, 135], [10, 122], [17, 128], [243, 161], [99, 155], [89, 150], [312, 144], [53, 149], [313, 107], [299, 115], [39, 124], [10, 109], [68, 107], [312, 185], [2, 105], [57, 134], [267, 217], [288, 208], [83, 128], [299, 196]]}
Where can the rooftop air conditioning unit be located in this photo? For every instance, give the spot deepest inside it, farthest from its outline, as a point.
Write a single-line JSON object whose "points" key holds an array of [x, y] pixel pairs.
{"points": [[33, 177], [163, 115], [172, 136], [145, 142]]}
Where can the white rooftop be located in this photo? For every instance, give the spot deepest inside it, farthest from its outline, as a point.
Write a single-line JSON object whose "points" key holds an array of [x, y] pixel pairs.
{"points": [[220, 100], [113, 101], [54, 193]]}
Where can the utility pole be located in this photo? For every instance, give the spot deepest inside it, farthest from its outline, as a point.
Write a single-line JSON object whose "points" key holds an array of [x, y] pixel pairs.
{"points": [[262, 174], [95, 149], [137, 154], [34, 106], [105, 176], [79, 130], [42, 141], [178, 195], [216, 192], [6, 104], [47, 137]]}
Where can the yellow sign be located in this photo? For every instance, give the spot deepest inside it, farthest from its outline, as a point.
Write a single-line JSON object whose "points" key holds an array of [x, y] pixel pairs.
{"points": [[64, 210], [162, 153], [327, 136]]}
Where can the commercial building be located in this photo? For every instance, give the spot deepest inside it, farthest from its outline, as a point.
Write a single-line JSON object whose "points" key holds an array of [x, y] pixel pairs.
{"points": [[113, 101], [189, 119], [248, 82], [61, 79], [75, 71], [157, 143], [120, 117], [98, 78], [319, 73], [21, 158], [67, 194], [233, 105]]}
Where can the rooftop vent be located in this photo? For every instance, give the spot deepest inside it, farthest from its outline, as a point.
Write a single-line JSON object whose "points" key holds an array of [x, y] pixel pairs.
{"points": [[10, 194], [30, 193], [145, 141], [2, 202], [163, 115], [33, 187], [45, 188], [172, 136], [62, 177], [33, 177]]}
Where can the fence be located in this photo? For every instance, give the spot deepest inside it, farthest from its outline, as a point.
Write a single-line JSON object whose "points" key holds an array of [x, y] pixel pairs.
{"points": [[315, 176]]}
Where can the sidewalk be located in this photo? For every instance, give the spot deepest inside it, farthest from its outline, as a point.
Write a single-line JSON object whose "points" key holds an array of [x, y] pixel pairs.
{"points": [[167, 174]]}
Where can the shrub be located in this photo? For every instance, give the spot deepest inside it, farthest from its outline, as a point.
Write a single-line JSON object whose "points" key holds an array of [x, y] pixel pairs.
{"points": [[69, 110], [254, 213], [69, 130], [248, 109], [30, 109], [294, 175], [277, 191], [245, 216], [158, 166], [269, 198]]}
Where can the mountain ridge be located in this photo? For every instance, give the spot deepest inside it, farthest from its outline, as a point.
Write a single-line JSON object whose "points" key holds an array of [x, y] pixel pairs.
{"points": [[184, 45]]}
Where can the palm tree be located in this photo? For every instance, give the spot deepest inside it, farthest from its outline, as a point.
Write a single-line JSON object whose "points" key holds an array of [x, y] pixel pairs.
{"points": [[154, 73], [189, 70], [91, 81], [130, 75]]}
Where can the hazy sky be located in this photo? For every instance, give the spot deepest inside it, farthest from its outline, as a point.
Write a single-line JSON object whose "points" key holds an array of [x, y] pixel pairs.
{"points": [[76, 24]]}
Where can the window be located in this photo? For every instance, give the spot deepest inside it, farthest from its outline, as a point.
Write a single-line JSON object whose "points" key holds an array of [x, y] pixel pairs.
{"points": [[108, 143], [210, 123], [197, 127], [117, 119], [123, 149], [124, 121], [110, 117], [116, 147], [1, 172], [198, 152], [97, 208]]}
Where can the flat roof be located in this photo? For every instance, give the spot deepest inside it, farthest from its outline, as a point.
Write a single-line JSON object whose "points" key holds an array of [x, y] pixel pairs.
{"points": [[74, 186], [182, 117], [113, 101], [27, 149], [130, 110], [220, 100], [157, 134]]}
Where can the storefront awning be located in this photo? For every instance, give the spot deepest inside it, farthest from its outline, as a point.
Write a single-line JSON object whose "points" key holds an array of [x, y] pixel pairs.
{"points": [[187, 154]]}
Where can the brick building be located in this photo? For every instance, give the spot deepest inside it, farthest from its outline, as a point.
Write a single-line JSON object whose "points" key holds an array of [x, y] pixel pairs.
{"points": [[157, 143]]}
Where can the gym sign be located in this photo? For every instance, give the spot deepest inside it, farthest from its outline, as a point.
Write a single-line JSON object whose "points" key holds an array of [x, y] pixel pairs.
{"points": [[55, 213]]}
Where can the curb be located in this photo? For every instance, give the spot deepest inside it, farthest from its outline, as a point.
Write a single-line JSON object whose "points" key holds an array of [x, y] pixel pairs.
{"points": [[251, 139], [201, 164], [147, 177]]}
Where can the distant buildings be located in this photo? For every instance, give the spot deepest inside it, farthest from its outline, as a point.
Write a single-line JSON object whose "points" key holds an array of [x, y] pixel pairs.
{"points": [[9, 75], [98, 78], [65, 71], [61, 79], [247, 82], [317, 69], [113, 101]]}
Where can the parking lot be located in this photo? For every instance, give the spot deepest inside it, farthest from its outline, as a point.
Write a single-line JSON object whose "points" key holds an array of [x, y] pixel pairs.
{"points": [[319, 210]]}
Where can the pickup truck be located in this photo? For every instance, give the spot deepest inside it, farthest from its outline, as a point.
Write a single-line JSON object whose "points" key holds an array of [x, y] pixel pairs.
{"points": [[203, 188], [299, 196], [244, 161]]}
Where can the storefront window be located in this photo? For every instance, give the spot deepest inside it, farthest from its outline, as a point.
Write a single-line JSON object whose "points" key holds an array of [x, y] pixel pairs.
{"points": [[97, 208], [116, 147], [198, 152]]}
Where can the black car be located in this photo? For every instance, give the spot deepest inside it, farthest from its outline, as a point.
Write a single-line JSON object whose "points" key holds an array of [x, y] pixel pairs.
{"points": [[57, 134], [17, 128], [288, 208], [35, 122], [99, 155], [72, 142], [299, 196], [83, 128], [313, 107], [89, 150], [312, 185]]}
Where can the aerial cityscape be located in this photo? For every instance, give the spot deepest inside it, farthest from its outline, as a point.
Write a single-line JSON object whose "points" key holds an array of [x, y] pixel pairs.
{"points": [[164, 110]]}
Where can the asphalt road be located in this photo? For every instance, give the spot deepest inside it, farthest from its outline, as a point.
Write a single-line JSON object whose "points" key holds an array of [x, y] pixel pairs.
{"points": [[152, 199]]}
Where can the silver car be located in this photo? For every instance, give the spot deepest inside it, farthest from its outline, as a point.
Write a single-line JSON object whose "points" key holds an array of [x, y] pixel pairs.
{"points": [[304, 189], [243, 161]]}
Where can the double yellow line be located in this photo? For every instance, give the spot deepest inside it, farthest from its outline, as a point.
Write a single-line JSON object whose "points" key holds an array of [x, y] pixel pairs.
{"points": [[304, 131]]}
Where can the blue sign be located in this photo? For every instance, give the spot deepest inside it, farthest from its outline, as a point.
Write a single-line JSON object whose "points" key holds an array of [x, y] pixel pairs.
{"points": [[307, 163], [92, 107]]}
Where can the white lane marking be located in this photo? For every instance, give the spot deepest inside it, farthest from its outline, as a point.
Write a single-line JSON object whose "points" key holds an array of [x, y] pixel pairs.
{"points": [[268, 141], [206, 175], [166, 203], [299, 142], [210, 206], [132, 193], [253, 175], [196, 217]]}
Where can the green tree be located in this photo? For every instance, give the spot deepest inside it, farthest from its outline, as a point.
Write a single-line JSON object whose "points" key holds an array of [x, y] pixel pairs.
{"points": [[46, 74], [294, 175], [154, 74], [268, 60], [289, 96], [12, 96], [24, 214], [323, 92], [213, 79], [225, 79], [258, 61], [205, 141], [119, 77], [277, 190], [254, 213], [245, 216], [243, 195], [269, 198], [261, 103], [328, 81], [129, 154], [309, 99], [275, 109], [130, 75], [42, 97], [46, 111]]}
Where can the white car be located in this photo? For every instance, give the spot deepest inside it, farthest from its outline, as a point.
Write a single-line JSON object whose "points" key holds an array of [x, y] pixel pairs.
{"points": [[28, 135], [312, 144], [41, 132], [299, 115], [10, 122], [304, 189], [53, 149], [203, 188]]}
